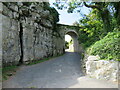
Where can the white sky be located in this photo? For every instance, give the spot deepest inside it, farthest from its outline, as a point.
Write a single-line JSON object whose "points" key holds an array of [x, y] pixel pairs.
{"points": [[68, 38], [69, 18]]}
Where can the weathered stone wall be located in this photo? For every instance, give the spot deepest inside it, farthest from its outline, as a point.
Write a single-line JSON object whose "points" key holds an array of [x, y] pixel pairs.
{"points": [[102, 69], [0, 46], [10, 35], [29, 32], [37, 32], [59, 40], [0, 35]]}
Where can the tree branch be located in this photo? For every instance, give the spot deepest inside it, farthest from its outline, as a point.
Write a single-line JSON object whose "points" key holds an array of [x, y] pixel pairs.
{"points": [[92, 6]]}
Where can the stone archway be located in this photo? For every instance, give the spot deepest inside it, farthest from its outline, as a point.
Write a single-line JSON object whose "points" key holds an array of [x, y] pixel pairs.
{"points": [[73, 31], [74, 36]]}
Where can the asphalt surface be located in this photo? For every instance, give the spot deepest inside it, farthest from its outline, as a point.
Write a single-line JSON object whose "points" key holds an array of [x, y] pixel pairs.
{"points": [[60, 72]]}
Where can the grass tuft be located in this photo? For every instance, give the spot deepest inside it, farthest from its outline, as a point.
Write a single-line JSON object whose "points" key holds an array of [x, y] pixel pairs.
{"points": [[8, 71]]}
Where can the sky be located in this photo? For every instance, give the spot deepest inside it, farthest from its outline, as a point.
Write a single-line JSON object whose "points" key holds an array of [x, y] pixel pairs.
{"points": [[69, 18], [68, 38]]}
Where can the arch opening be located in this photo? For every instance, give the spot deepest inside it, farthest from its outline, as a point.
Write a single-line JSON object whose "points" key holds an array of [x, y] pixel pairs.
{"points": [[71, 42]]}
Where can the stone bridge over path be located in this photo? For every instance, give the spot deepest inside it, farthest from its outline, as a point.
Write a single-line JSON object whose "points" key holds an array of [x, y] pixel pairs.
{"points": [[73, 31]]}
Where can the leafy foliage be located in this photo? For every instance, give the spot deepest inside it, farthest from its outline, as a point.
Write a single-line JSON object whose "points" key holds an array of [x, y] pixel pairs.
{"points": [[104, 10], [92, 29], [108, 47], [116, 8], [66, 45], [93, 37]]}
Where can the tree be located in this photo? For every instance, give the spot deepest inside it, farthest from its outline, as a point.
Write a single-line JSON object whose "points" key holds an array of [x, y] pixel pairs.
{"points": [[102, 7], [92, 29], [76, 23], [116, 6]]}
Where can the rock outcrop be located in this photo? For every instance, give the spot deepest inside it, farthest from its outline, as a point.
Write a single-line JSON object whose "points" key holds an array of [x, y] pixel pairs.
{"points": [[11, 49], [30, 32]]}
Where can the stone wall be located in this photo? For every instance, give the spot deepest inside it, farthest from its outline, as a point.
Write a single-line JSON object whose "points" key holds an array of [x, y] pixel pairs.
{"points": [[29, 32], [0, 35], [102, 69], [59, 40], [11, 49]]}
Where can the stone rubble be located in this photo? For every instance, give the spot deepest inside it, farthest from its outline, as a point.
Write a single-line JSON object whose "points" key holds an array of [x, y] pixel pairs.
{"points": [[102, 69]]}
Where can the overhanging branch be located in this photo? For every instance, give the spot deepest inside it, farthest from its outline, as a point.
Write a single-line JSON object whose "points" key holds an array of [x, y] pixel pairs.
{"points": [[92, 6]]}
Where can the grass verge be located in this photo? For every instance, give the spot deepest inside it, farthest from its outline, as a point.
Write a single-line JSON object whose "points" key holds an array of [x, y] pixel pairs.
{"points": [[44, 59], [8, 71]]}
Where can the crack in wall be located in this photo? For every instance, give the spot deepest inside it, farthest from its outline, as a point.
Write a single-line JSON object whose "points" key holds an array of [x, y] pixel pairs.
{"points": [[21, 43]]}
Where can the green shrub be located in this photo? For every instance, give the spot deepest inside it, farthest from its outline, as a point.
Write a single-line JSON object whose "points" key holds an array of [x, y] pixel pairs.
{"points": [[108, 47], [66, 45]]}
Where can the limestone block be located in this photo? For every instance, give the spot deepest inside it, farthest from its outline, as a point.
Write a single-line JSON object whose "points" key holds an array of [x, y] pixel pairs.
{"points": [[14, 7], [7, 12], [28, 42], [102, 69], [1, 7], [45, 14], [11, 41], [101, 63], [114, 75], [19, 4], [46, 23], [15, 15], [90, 67], [40, 8], [99, 74], [113, 65], [92, 58]]}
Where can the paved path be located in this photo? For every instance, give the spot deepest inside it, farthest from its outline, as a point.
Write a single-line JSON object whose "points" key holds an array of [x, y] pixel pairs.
{"points": [[60, 72]]}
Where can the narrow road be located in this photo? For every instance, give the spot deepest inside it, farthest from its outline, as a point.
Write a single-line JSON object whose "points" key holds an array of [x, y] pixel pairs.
{"points": [[60, 72]]}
